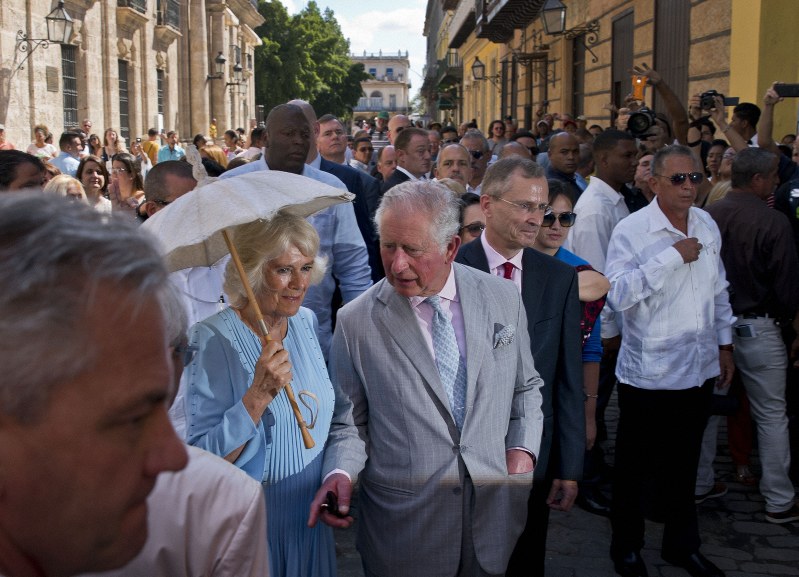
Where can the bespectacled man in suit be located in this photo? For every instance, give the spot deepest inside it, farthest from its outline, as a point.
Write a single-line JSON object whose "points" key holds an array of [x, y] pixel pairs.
{"points": [[438, 404]]}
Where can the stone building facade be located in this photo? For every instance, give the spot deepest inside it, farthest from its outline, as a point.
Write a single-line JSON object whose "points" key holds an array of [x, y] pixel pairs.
{"points": [[130, 65], [387, 87], [737, 47]]}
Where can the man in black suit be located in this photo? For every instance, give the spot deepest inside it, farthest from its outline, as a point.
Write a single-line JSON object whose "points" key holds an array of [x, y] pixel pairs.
{"points": [[364, 187], [514, 201], [414, 160]]}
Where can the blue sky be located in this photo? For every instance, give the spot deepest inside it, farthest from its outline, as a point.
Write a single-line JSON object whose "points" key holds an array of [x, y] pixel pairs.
{"points": [[386, 25]]}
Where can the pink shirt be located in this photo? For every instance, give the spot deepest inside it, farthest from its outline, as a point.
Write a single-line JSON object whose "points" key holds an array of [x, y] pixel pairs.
{"points": [[451, 305], [496, 260]]}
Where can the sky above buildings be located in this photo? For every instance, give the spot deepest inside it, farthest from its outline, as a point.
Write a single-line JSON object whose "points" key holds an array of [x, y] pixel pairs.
{"points": [[375, 25]]}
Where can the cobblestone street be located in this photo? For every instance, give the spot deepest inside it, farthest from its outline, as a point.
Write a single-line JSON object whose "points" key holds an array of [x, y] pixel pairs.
{"points": [[734, 533]]}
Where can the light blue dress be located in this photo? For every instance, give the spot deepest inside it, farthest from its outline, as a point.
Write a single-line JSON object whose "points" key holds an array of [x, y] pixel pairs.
{"points": [[274, 454]]}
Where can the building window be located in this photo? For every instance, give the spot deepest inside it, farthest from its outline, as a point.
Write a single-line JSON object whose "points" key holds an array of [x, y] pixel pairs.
{"points": [[392, 101], [373, 72], [168, 12], [389, 74], [124, 118], [69, 80], [159, 75], [622, 56]]}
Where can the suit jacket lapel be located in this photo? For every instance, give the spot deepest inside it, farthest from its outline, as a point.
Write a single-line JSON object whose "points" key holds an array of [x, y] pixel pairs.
{"points": [[474, 255], [534, 280], [400, 322]]}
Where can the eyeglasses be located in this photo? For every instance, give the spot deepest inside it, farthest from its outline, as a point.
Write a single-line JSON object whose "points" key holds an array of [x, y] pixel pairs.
{"points": [[566, 219], [529, 206], [118, 170], [474, 228], [476, 154], [679, 178]]}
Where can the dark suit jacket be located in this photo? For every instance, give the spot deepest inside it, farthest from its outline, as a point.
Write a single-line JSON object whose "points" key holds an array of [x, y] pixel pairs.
{"points": [[550, 297], [367, 196], [396, 177]]}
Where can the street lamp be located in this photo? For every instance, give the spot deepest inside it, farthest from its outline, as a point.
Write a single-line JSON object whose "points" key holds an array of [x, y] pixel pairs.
{"points": [[553, 17], [219, 67], [479, 72], [59, 30]]}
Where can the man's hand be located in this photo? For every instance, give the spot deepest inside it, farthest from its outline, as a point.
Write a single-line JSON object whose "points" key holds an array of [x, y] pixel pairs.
{"points": [[342, 487], [562, 495], [771, 97], [689, 249], [518, 461], [727, 368], [695, 107], [653, 77]]}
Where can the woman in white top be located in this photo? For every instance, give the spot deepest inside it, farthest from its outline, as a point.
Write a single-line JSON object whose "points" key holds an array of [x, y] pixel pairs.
{"points": [[39, 147]]}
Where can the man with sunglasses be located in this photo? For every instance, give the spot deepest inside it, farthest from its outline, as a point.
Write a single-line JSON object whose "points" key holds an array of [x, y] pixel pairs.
{"points": [[514, 201], [669, 290], [477, 145]]}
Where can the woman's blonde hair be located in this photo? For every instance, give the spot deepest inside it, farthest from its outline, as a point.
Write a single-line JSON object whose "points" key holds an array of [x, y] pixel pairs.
{"points": [[719, 191], [262, 241], [60, 185], [215, 153]]}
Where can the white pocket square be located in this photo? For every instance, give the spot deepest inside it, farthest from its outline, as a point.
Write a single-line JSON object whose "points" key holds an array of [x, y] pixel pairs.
{"points": [[503, 335]]}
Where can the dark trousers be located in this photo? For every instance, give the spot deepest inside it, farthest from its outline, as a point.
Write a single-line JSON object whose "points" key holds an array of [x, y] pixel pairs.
{"points": [[659, 437], [530, 551]]}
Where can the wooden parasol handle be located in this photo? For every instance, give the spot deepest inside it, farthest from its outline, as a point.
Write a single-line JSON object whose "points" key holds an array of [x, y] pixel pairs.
{"points": [[307, 439]]}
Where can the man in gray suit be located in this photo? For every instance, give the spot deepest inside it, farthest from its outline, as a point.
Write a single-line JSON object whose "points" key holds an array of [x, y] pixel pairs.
{"points": [[438, 407]]}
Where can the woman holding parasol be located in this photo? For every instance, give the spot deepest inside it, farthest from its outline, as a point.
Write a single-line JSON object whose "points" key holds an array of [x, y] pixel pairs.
{"points": [[237, 403]]}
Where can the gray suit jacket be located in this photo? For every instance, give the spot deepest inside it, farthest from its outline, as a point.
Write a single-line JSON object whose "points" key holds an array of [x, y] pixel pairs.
{"points": [[392, 425]]}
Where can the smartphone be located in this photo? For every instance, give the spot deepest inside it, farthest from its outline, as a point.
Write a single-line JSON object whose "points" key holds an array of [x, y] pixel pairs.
{"points": [[787, 90], [331, 504], [639, 87], [743, 330]]}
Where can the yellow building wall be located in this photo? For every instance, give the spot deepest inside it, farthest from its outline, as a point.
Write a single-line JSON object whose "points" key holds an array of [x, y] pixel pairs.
{"points": [[764, 47]]}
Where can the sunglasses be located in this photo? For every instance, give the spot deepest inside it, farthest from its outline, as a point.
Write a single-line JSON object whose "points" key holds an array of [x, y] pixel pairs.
{"points": [[566, 219], [476, 154], [679, 178], [474, 228]]}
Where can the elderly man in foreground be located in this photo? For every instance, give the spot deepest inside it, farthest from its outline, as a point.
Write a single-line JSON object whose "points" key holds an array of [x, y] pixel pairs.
{"points": [[84, 432], [438, 404]]}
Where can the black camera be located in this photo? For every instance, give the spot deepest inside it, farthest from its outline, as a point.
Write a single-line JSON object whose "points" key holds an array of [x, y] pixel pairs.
{"points": [[707, 100], [640, 122]]}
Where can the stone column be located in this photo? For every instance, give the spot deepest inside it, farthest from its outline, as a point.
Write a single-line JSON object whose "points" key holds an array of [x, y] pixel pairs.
{"points": [[217, 42], [197, 54]]}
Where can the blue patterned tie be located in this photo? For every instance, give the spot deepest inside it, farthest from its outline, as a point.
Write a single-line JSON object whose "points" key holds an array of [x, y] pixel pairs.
{"points": [[451, 367]]}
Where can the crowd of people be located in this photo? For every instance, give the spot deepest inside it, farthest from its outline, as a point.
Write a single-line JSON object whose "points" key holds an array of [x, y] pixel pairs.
{"points": [[461, 327]]}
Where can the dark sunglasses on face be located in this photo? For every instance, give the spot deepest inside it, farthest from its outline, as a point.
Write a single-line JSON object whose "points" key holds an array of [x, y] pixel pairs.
{"points": [[474, 228], [566, 219], [476, 154], [679, 178]]}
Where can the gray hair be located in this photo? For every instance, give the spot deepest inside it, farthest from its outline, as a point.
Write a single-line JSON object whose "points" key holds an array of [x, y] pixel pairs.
{"points": [[262, 241], [55, 257], [749, 162], [421, 197], [667, 152], [474, 134], [498, 174]]}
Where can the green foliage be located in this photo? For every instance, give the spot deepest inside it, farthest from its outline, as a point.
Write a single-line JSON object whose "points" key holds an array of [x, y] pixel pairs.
{"points": [[305, 56]]}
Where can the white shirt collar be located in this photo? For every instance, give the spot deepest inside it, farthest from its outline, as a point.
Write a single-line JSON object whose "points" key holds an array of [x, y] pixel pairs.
{"points": [[496, 260]]}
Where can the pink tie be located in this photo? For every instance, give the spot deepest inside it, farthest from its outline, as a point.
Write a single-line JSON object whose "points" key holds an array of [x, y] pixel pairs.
{"points": [[507, 270]]}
